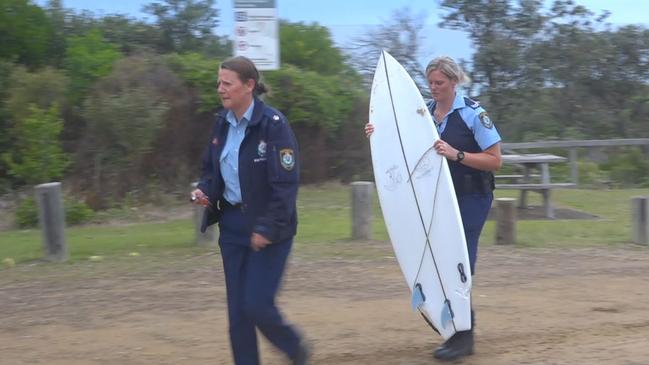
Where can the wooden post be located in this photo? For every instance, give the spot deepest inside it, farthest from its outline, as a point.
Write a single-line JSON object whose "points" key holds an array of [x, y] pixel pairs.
{"points": [[362, 210], [640, 219], [523, 196], [207, 239], [574, 167], [51, 218], [505, 221]]}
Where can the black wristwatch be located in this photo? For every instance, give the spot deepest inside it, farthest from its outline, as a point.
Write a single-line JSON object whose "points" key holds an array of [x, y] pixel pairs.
{"points": [[460, 156]]}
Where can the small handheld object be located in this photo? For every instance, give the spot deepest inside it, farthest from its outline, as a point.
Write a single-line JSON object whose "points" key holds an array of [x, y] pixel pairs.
{"points": [[199, 200]]}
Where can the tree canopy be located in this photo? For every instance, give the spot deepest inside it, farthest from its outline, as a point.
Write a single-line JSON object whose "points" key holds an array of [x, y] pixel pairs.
{"points": [[25, 32]]}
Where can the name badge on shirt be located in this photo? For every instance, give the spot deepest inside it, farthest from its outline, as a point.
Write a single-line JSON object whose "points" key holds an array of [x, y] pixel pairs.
{"points": [[261, 148], [261, 152]]}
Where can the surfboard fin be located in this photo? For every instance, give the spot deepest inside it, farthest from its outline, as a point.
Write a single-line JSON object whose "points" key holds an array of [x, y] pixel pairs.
{"points": [[418, 297], [447, 313]]}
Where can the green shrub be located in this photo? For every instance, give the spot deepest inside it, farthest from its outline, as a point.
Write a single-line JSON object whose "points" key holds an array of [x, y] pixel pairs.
{"points": [[591, 175], [630, 168], [27, 213], [76, 212]]}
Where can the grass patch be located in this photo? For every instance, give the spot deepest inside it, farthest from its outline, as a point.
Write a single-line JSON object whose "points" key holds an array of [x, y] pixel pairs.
{"points": [[613, 207], [325, 228], [105, 241], [325, 215]]}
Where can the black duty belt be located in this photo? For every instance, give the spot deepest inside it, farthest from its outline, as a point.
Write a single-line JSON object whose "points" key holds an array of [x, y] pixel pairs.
{"points": [[224, 204]]}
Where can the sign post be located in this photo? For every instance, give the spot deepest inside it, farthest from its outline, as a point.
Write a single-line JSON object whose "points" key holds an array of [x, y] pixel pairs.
{"points": [[256, 32]]}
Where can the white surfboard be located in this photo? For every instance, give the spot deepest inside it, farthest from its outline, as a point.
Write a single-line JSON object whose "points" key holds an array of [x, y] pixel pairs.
{"points": [[418, 200]]}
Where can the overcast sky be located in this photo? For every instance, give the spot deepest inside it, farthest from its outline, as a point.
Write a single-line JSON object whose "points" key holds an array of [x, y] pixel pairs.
{"points": [[349, 18]]}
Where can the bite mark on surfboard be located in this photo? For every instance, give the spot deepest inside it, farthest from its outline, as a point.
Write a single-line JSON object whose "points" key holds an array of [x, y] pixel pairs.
{"points": [[464, 293]]}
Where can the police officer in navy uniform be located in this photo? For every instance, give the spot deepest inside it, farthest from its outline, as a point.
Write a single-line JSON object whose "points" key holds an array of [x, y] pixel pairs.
{"points": [[471, 144], [249, 186]]}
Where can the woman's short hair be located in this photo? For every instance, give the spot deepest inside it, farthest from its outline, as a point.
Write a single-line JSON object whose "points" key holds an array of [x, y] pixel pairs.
{"points": [[246, 70], [448, 67]]}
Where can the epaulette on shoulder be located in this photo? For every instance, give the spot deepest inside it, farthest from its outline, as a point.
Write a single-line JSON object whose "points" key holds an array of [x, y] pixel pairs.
{"points": [[274, 114], [471, 103]]}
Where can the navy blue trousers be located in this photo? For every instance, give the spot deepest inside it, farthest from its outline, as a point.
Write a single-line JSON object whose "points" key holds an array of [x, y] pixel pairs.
{"points": [[474, 209], [252, 279]]}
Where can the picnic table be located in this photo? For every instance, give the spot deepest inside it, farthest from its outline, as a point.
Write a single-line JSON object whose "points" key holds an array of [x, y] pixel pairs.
{"points": [[528, 181]]}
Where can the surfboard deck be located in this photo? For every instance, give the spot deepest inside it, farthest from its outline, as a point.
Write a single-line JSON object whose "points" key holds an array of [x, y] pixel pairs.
{"points": [[418, 200]]}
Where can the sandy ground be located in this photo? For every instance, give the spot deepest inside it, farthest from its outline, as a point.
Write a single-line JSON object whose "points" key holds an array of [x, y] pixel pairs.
{"points": [[534, 306]]}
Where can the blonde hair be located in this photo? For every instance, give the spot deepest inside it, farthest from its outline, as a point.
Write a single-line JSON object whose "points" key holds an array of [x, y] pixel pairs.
{"points": [[449, 68]]}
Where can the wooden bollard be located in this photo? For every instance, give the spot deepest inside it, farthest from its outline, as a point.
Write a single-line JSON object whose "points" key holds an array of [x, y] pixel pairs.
{"points": [[505, 221], [207, 239], [640, 219], [362, 210], [51, 218]]}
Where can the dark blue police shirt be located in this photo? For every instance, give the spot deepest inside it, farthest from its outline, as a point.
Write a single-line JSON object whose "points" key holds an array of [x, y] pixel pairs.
{"points": [[467, 128], [268, 173]]}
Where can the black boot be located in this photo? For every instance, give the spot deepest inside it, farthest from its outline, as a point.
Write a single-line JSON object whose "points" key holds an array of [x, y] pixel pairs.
{"points": [[458, 346], [303, 354], [443, 347]]}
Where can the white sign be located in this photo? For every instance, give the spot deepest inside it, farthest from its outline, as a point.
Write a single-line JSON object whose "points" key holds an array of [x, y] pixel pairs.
{"points": [[256, 32]]}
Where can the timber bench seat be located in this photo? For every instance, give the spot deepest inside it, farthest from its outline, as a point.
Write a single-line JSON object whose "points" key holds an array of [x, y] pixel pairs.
{"points": [[532, 186], [542, 188], [530, 164], [509, 176], [516, 178]]}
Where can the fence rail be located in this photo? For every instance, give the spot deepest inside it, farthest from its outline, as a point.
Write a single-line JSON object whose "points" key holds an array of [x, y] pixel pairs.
{"points": [[577, 143], [572, 146]]}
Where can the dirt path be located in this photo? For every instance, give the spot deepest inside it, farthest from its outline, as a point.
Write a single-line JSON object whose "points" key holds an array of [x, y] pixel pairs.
{"points": [[534, 306]]}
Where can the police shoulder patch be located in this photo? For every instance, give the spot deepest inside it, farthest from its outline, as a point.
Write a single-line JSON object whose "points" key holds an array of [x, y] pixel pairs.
{"points": [[287, 159], [486, 122]]}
